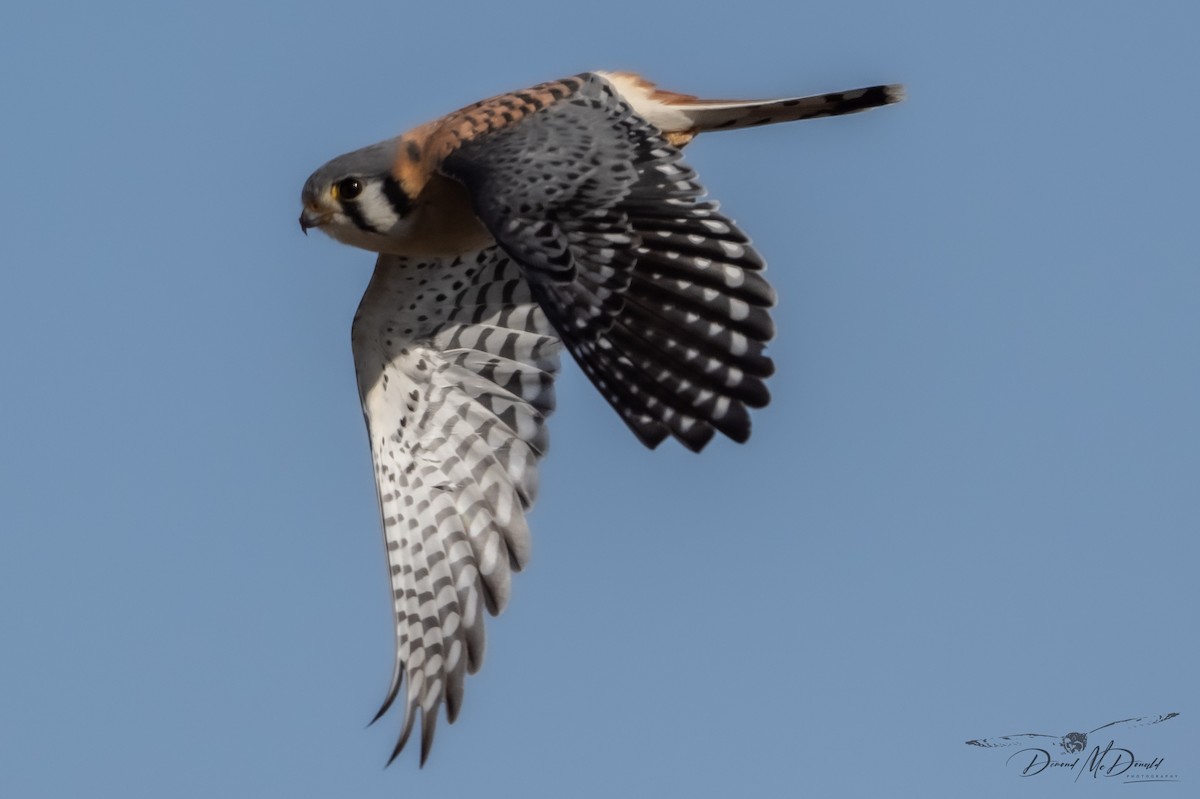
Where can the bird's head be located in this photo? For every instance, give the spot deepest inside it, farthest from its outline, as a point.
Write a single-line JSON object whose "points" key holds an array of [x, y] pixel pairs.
{"points": [[357, 200]]}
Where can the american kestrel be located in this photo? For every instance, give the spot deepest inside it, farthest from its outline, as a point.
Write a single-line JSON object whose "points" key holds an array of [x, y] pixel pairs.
{"points": [[561, 214]]}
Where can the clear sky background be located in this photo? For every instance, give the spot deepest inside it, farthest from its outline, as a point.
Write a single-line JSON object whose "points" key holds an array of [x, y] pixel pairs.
{"points": [[971, 509]]}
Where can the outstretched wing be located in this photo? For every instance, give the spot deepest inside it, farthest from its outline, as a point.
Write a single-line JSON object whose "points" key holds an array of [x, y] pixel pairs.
{"points": [[656, 294], [1136, 722], [455, 367], [1024, 739]]}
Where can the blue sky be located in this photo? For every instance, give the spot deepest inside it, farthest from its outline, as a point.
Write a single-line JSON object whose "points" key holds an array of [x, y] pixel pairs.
{"points": [[971, 509]]}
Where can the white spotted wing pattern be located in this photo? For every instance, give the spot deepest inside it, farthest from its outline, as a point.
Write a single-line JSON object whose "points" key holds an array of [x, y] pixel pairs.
{"points": [[455, 364]]}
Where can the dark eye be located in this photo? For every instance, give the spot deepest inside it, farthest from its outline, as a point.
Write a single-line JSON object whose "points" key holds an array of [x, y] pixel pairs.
{"points": [[348, 188]]}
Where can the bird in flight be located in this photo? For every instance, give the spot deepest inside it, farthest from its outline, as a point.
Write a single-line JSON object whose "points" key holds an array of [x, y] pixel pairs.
{"points": [[1072, 742], [557, 216]]}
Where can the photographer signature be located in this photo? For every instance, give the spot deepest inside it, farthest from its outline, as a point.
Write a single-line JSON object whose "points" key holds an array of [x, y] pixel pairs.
{"points": [[1112, 761]]}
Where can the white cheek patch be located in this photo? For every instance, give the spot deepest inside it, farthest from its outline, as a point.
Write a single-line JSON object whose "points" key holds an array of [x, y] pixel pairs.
{"points": [[375, 208]]}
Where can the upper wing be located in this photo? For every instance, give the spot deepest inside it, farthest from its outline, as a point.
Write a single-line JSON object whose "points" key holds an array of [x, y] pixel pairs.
{"points": [[657, 295], [455, 367], [1136, 722]]}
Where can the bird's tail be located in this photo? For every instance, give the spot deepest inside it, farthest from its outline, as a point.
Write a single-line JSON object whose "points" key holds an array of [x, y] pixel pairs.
{"points": [[682, 116], [727, 115]]}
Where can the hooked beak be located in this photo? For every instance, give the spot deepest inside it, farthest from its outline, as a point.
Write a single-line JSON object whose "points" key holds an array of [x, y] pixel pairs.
{"points": [[310, 218]]}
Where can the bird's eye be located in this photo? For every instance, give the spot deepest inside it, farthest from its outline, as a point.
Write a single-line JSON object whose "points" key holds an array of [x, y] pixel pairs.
{"points": [[347, 188]]}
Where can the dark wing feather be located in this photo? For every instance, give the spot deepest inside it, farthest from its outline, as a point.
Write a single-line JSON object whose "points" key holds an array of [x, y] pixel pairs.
{"points": [[656, 294]]}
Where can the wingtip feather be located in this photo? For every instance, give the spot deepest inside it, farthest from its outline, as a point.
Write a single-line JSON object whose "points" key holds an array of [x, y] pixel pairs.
{"points": [[393, 691]]}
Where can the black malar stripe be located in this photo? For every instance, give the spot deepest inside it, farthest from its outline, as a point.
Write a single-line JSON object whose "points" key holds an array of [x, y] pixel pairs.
{"points": [[351, 209]]}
